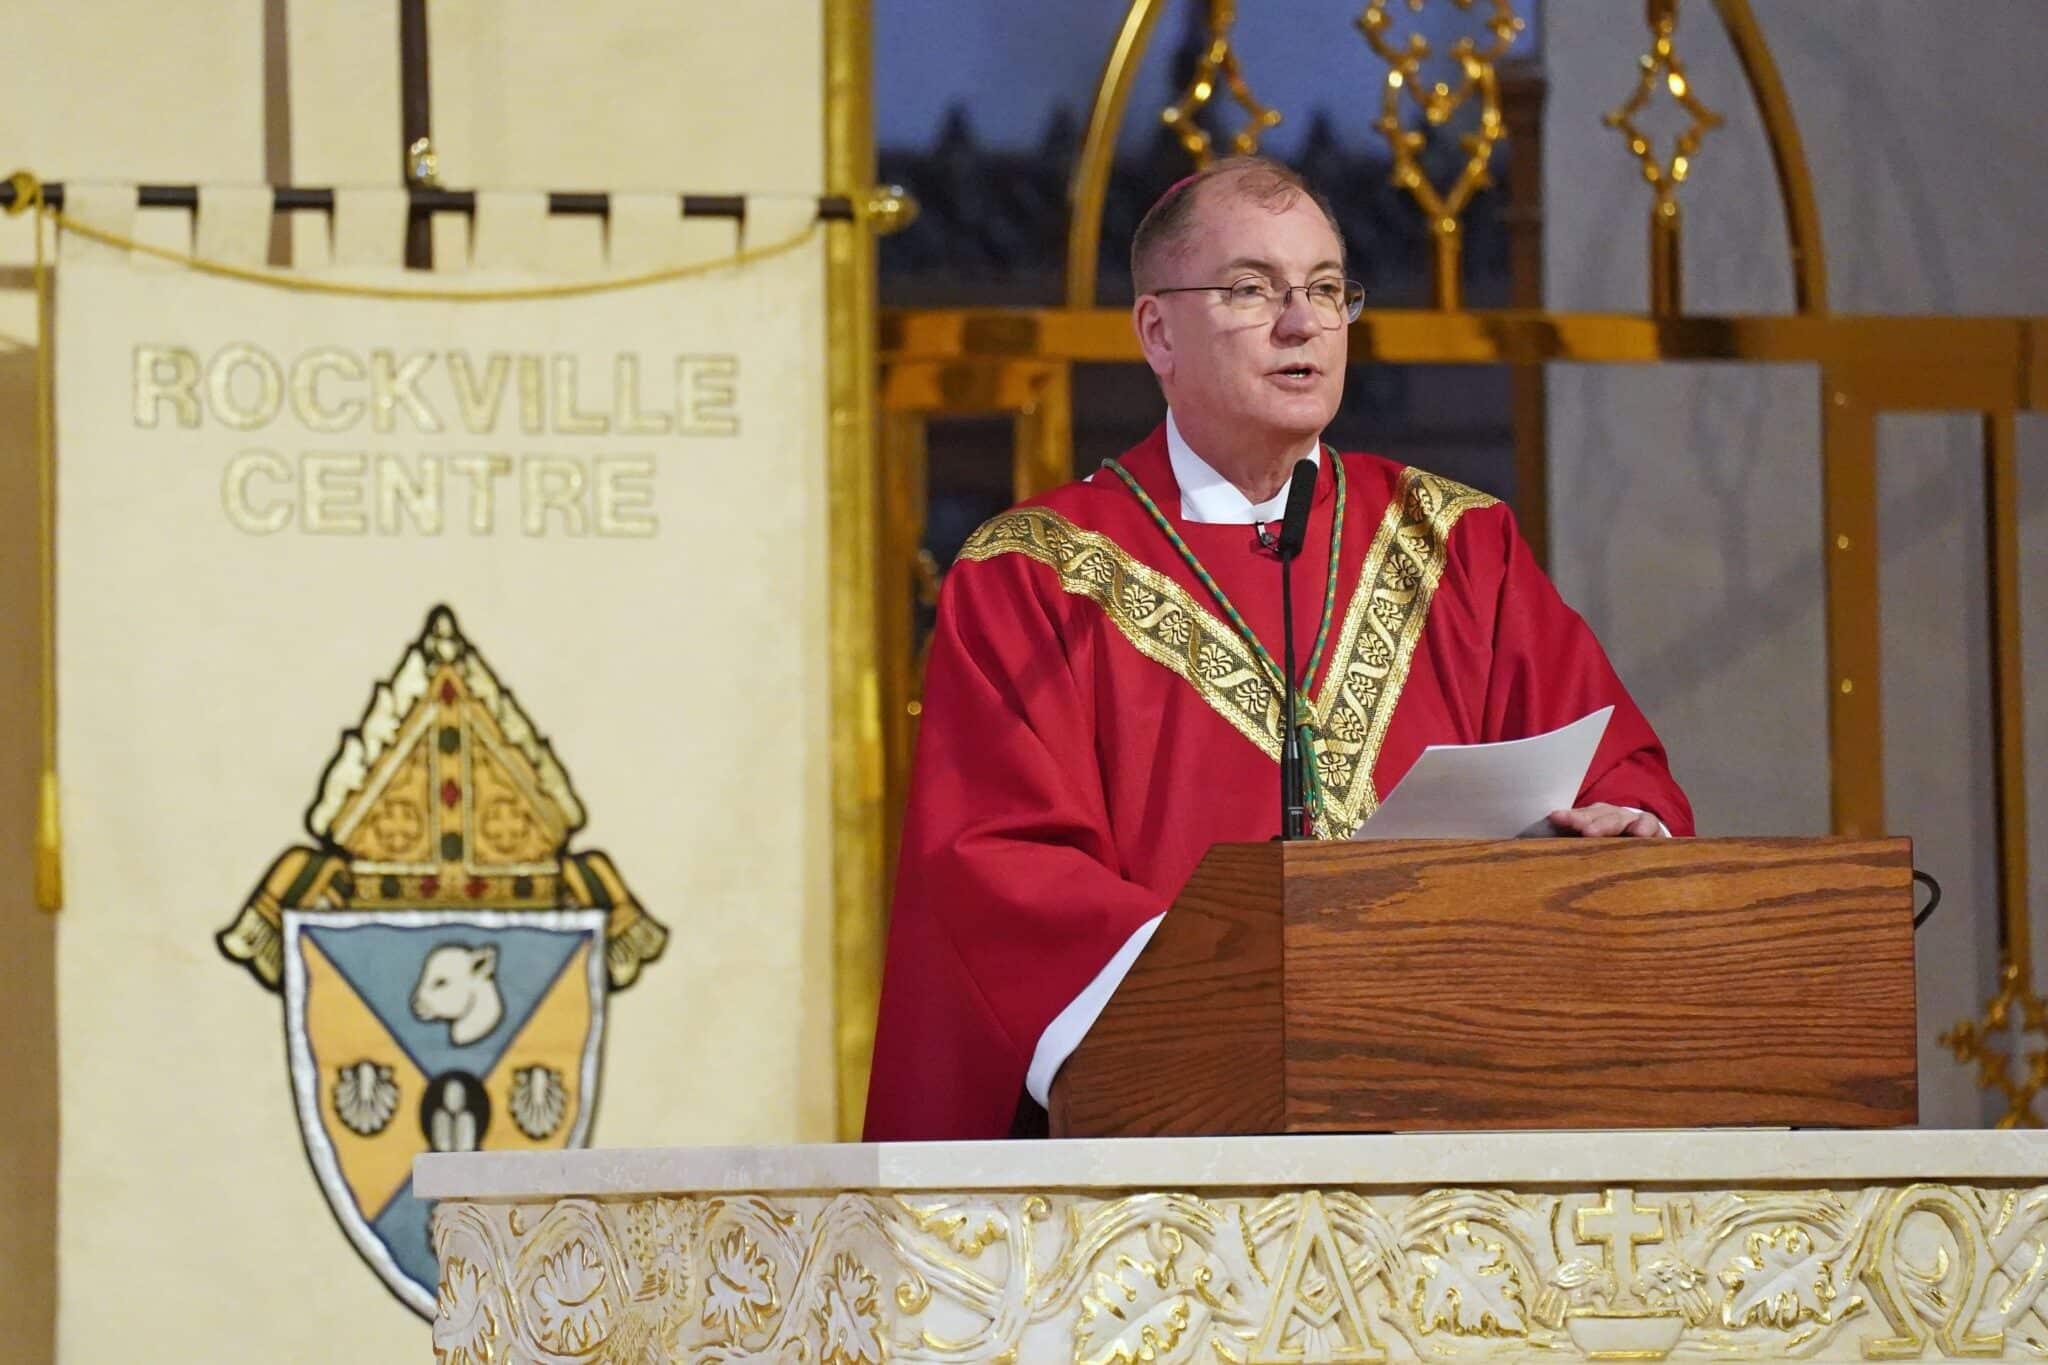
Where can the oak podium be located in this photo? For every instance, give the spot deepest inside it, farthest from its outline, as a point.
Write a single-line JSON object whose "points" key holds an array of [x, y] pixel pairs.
{"points": [[1536, 983]]}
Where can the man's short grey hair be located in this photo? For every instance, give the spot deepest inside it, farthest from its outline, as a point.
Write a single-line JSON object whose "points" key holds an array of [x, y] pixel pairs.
{"points": [[1163, 233]]}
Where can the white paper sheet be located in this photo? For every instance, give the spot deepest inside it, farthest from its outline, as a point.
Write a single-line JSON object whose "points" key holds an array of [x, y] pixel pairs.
{"points": [[1490, 791]]}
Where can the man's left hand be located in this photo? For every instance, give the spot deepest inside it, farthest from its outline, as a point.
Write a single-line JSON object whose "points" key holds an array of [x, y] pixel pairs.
{"points": [[1603, 821]]}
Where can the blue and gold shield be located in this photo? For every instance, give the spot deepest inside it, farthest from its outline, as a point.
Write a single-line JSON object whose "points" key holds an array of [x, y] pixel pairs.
{"points": [[444, 954], [432, 1030]]}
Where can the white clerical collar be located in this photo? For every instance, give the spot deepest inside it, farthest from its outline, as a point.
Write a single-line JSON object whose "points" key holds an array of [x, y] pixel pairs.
{"points": [[1206, 497]]}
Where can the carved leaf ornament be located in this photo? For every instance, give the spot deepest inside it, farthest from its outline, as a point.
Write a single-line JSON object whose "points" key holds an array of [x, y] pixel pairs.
{"points": [[741, 1286], [1468, 1288], [1782, 1280]]}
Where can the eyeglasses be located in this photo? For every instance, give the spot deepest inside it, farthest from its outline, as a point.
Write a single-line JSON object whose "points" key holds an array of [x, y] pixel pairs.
{"points": [[1334, 302]]}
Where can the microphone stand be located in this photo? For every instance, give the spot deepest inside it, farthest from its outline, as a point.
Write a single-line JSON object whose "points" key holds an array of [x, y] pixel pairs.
{"points": [[1293, 816], [1301, 492]]}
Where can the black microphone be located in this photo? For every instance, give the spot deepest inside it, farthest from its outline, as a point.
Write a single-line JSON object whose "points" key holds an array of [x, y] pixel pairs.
{"points": [[1301, 491]]}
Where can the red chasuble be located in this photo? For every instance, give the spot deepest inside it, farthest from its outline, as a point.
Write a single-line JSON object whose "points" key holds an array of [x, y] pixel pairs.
{"points": [[1093, 723]]}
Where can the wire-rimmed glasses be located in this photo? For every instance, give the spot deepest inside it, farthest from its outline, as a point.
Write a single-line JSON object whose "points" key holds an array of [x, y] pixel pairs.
{"points": [[1333, 301]]}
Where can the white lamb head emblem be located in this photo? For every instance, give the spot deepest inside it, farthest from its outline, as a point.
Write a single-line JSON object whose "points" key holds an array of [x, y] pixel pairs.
{"points": [[459, 984]]}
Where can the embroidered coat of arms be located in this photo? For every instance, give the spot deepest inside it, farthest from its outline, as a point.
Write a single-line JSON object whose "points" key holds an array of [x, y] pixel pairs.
{"points": [[444, 955]]}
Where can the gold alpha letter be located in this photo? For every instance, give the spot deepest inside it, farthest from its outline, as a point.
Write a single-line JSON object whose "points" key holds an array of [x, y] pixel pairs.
{"points": [[1322, 1304]]}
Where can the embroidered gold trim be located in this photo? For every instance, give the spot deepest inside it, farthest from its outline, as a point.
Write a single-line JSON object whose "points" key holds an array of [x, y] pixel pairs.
{"points": [[1374, 650], [1376, 647], [1157, 615]]}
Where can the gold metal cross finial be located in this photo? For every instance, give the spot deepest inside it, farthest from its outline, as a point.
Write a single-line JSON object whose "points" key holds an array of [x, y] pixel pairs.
{"points": [[1219, 59], [1661, 66], [1438, 102], [1618, 1227]]}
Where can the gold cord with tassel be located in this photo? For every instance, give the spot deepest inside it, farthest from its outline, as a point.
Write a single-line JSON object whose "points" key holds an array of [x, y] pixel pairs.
{"points": [[49, 832]]}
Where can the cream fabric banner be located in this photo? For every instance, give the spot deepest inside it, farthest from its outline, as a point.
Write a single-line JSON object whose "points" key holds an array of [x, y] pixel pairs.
{"points": [[444, 745]]}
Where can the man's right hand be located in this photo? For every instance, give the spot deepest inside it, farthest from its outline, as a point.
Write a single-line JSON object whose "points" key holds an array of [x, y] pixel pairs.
{"points": [[1602, 821]]}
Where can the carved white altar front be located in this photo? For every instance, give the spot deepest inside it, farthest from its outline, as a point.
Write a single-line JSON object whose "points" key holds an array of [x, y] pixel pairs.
{"points": [[1744, 1246]]}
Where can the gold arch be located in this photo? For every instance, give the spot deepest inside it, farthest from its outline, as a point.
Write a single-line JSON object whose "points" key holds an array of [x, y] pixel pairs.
{"points": [[1788, 155], [1090, 185]]}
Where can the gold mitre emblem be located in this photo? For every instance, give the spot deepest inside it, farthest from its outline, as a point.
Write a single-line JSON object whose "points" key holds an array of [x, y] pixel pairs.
{"points": [[444, 796]]}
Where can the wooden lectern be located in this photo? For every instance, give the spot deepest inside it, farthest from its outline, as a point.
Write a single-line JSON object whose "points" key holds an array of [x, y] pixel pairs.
{"points": [[1537, 983]]}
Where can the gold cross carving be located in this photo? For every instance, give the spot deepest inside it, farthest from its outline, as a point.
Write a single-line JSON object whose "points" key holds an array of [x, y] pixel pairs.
{"points": [[1618, 1227]]}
